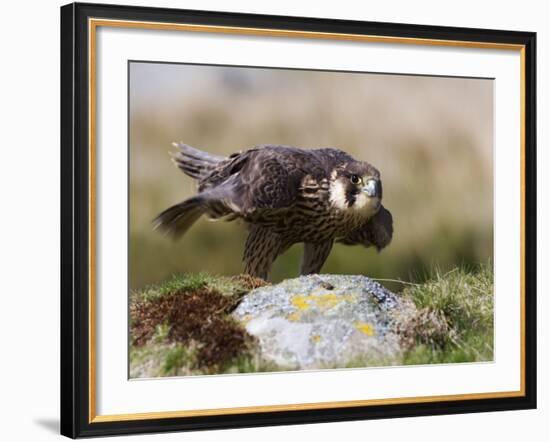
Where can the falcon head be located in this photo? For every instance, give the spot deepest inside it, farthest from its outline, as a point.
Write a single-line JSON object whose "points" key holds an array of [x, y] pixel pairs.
{"points": [[356, 187]]}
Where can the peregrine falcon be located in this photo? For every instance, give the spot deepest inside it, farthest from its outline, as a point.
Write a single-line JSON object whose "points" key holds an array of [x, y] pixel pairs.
{"points": [[284, 195]]}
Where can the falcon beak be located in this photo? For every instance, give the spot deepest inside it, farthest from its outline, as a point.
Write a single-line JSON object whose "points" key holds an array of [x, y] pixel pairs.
{"points": [[372, 187]]}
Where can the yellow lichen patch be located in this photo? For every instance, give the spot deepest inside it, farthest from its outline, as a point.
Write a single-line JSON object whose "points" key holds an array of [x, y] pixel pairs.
{"points": [[315, 338], [300, 302], [330, 300], [294, 316], [364, 327], [323, 301]]}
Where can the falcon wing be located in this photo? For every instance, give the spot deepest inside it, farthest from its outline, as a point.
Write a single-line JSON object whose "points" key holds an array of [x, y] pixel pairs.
{"points": [[268, 182], [377, 231]]}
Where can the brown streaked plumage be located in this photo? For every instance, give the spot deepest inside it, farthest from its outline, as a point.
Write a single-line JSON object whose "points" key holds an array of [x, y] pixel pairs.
{"points": [[285, 195]]}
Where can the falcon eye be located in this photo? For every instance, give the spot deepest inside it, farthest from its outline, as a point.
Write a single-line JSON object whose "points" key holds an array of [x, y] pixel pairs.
{"points": [[355, 179]]}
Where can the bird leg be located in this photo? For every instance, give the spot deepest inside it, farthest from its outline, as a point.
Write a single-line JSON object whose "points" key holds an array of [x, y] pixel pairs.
{"points": [[260, 251], [315, 255]]}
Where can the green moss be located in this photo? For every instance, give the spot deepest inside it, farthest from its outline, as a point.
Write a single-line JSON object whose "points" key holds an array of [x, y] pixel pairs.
{"points": [[188, 282], [184, 281], [178, 360]]}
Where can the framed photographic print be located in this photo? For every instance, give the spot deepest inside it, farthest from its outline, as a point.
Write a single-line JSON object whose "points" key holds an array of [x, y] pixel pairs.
{"points": [[274, 220]]}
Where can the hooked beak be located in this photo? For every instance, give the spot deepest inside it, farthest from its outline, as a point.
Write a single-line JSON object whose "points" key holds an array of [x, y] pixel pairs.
{"points": [[372, 187]]}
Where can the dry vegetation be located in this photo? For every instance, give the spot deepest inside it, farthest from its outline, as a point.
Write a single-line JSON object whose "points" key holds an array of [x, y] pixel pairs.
{"points": [[184, 327]]}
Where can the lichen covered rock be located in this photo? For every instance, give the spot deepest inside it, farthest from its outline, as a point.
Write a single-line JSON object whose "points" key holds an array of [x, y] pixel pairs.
{"points": [[323, 321]]}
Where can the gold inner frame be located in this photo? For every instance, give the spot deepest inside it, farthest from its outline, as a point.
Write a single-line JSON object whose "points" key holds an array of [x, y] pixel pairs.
{"points": [[93, 24]]}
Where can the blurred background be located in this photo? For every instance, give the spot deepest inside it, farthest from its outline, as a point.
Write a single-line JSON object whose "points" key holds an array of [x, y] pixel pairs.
{"points": [[430, 137]]}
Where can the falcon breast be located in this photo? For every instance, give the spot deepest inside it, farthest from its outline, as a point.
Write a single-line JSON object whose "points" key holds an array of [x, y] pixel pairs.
{"points": [[285, 195]]}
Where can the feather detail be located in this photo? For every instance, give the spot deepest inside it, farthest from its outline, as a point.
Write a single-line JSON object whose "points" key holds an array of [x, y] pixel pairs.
{"points": [[176, 220], [194, 162]]}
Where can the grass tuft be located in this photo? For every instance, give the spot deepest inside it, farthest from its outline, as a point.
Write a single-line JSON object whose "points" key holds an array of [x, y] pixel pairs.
{"points": [[455, 317]]}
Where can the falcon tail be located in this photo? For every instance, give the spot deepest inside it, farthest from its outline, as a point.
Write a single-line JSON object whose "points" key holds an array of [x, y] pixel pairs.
{"points": [[194, 162], [176, 220]]}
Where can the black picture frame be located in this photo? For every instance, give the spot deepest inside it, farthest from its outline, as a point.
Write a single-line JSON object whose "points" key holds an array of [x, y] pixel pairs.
{"points": [[75, 219]]}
